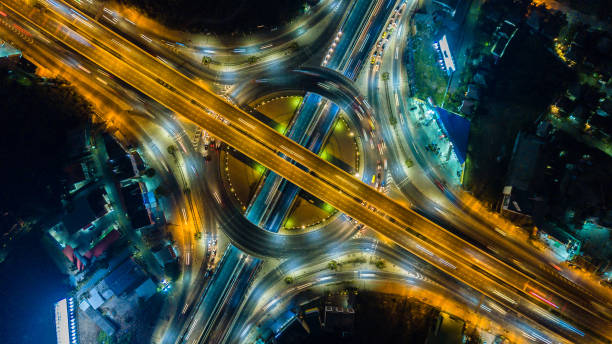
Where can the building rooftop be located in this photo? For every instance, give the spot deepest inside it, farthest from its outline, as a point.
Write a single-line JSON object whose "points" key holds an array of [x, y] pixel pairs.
{"points": [[124, 277], [521, 201], [293, 332], [81, 216], [467, 106], [105, 243], [94, 298], [165, 254], [134, 204], [473, 92], [313, 320], [102, 322], [447, 329], [146, 289], [340, 320], [458, 130], [74, 173], [72, 256], [119, 159], [97, 201], [79, 143], [524, 162], [84, 209], [65, 327]]}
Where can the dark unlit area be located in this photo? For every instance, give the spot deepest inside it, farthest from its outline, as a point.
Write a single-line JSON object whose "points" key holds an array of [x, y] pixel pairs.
{"points": [[221, 16]]}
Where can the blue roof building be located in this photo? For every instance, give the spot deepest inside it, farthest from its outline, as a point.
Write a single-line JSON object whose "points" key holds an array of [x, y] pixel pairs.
{"points": [[124, 277], [457, 129]]}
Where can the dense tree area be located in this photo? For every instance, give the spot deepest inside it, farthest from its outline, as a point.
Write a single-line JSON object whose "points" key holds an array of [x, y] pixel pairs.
{"points": [[525, 82], [392, 319], [36, 116], [576, 178], [384, 318], [220, 16], [529, 75], [601, 9]]}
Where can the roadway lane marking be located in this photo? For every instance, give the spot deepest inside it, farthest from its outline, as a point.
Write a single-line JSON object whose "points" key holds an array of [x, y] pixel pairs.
{"points": [[246, 123], [292, 152], [217, 198]]}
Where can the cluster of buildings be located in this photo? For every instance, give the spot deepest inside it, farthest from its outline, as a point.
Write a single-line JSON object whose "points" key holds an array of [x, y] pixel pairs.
{"points": [[585, 47], [552, 183], [468, 68], [560, 159], [500, 27], [586, 105], [504, 31], [478, 51], [109, 220], [108, 300], [545, 168], [336, 318], [103, 199]]}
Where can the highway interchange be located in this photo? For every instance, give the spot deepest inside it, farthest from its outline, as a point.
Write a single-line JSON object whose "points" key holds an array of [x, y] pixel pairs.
{"points": [[466, 247]]}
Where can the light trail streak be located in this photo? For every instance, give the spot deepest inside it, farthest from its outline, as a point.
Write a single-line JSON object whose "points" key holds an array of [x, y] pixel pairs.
{"points": [[543, 299], [246, 123], [217, 198], [503, 296]]}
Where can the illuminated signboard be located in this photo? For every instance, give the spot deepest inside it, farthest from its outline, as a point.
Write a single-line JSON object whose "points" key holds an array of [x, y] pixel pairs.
{"points": [[446, 59], [65, 322]]}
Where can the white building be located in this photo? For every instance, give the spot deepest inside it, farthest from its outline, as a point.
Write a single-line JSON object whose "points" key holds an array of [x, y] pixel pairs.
{"points": [[65, 322]]}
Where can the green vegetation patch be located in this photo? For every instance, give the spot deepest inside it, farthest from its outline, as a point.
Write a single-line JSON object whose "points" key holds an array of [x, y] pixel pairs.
{"points": [[430, 79]]}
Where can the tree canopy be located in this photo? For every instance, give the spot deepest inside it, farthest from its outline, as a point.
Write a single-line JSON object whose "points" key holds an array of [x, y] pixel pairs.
{"points": [[37, 116], [220, 16]]}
